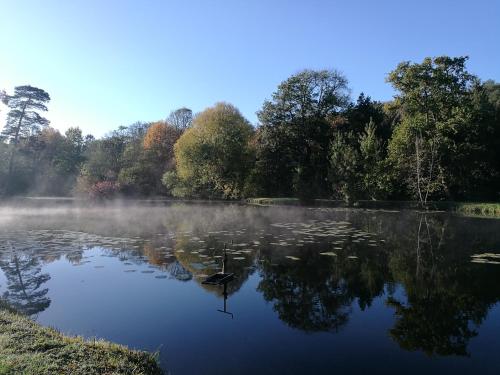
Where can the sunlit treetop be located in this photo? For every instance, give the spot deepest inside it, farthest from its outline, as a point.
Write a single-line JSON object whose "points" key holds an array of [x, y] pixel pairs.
{"points": [[23, 118]]}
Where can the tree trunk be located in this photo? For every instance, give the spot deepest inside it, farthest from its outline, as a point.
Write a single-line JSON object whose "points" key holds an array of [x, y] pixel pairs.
{"points": [[418, 170]]}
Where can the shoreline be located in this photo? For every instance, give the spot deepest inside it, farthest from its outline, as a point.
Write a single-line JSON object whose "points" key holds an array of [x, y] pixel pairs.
{"points": [[473, 209], [26, 347], [480, 209]]}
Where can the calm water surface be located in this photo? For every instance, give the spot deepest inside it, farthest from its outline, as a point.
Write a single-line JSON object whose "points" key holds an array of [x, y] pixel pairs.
{"points": [[317, 291]]}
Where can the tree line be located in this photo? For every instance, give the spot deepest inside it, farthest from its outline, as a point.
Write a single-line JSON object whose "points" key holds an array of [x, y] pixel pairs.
{"points": [[437, 139]]}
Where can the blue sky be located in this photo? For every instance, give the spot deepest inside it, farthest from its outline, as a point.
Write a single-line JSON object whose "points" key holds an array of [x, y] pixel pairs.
{"points": [[111, 63]]}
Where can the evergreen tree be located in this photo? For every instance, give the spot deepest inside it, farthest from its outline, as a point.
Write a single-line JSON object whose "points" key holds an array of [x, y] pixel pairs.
{"points": [[23, 119]]}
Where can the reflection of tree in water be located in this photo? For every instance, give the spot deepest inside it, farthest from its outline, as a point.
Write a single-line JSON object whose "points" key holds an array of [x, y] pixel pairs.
{"points": [[179, 272], [446, 300], [316, 293], [202, 260], [305, 300], [24, 282], [437, 323], [445, 296]]}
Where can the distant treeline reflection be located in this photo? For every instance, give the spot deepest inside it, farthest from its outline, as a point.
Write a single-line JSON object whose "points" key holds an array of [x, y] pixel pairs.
{"points": [[313, 269]]}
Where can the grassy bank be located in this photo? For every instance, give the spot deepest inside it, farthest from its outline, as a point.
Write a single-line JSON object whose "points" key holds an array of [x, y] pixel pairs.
{"points": [[28, 348], [479, 209], [475, 209]]}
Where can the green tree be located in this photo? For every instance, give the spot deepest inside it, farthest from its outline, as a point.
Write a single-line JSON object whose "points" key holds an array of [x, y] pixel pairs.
{"points": [[486, 99], [76, 144], [415, 156], [355, 165], [370, 147], [104, 160], [56, 160], [141, 172], [23, 119], [364, 111], [345, 171], [437, 146], [213, 157], [295, 132]]}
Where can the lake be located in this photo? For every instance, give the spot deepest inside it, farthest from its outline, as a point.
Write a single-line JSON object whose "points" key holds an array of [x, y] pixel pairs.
{"points": [[316, 290]]}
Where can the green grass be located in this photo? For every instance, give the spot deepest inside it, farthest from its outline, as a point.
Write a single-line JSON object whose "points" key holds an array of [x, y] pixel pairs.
{"points": [[26, 348], [479, 209]]}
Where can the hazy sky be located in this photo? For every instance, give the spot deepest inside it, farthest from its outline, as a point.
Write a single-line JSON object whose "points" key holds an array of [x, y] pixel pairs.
{"points": [[109, 63]]}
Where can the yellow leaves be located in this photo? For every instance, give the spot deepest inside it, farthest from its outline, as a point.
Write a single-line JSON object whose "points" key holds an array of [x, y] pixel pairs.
{"points": [[160, 138], [214, 151], [50, 135], [155, 135]]}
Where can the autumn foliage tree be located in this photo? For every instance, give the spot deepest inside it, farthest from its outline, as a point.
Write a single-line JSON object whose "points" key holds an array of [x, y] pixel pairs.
{"points": [[160, 140], [213, 157]]}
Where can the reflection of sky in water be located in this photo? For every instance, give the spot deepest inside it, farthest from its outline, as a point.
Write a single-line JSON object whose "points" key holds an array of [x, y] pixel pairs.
{"points": [[316, 290]]}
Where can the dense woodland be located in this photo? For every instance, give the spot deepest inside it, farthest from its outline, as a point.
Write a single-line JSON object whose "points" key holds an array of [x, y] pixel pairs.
{"points": [[438, 139]]}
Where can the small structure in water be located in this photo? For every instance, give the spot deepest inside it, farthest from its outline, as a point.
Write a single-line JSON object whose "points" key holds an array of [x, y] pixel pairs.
{"points": [[222, 277]]}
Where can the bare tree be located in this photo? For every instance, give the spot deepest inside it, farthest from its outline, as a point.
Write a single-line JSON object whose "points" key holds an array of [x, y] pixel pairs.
{"points": [[181, 118]]}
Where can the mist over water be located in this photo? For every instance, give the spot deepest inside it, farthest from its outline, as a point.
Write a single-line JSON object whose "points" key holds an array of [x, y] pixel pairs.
{"points": [[316, 290]]}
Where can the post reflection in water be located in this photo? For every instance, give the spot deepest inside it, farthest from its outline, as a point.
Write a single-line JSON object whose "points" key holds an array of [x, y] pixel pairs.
{"points": [[224, 294], [317, 270]]}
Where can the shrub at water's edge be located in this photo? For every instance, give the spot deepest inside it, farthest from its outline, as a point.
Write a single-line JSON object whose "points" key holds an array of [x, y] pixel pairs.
{"points": [[28, 348]]}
